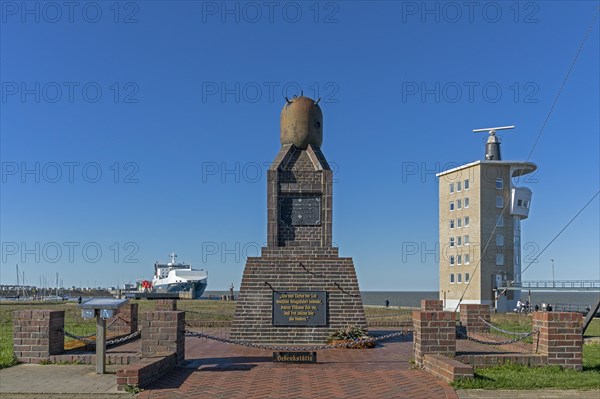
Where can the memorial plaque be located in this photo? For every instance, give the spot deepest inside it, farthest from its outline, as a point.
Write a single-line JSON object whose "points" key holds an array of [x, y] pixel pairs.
{"points": [[300, 308], [298, 211], [294, 357]]}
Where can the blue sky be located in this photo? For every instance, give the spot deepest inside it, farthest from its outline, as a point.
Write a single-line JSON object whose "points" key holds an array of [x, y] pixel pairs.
{"points": [[133, 129]]}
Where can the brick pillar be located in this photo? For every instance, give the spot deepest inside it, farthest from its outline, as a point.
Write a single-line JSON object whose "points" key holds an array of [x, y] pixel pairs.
{"points": [[471, 315], [163, 332], [561, 337], [435, 333], [128, 323], [432, 305], [166, 304], [37, 334]]}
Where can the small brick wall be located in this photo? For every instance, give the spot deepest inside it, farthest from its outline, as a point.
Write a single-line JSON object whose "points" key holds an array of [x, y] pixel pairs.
{"points": [[447, 369], [435, 333], [143, 372], [471, 315], [126, 320], [37, 334], [166, 305], [432, 305], [163, 333], [560, 338]]}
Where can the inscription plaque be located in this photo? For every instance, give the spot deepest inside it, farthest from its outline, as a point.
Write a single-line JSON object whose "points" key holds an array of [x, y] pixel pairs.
{"points": [[295, 357], [300, 211], [300, 308]]}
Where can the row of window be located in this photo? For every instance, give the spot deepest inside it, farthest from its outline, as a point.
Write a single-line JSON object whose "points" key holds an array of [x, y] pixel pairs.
{"points": [[460, 259], [459, 278], [460, 240], [459, 186], [460, 222], [465, 259], [459, 203]]}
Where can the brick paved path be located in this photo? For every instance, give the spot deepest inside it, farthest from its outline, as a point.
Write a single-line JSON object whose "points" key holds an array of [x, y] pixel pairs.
{"points": [[218, 370]]}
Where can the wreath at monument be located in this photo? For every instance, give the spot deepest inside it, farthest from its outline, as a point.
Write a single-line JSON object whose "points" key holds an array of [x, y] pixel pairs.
{"points": [[354, 336]]}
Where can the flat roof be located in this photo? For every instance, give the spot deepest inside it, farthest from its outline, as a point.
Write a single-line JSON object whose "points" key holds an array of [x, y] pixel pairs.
{"points": [[524, 167], [103, 303]]}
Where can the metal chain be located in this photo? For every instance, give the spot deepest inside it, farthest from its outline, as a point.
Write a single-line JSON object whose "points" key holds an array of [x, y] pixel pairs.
{"points": [[494, 343], [82, 337], [124, 339], [109, 342], [356, 342], [209, 314], [501, 330], [390, 315]]}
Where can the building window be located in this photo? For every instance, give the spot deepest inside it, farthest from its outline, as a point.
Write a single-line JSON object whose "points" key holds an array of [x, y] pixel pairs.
{"points": [[520, 202], [467, 261], [458, 184], [451, 223], [499, 202], [466, 185], [500, 221], [458, 204], [500, 183], [451, 188], [467, 277], [451, 206], [499, 259], [466, 239], [467, 202], [466, 221], [459, 259], [459, 241], [500, 240], [451, 242], [451, 260], [459, 278], [451, 278], [458, 223], [526, 204]]}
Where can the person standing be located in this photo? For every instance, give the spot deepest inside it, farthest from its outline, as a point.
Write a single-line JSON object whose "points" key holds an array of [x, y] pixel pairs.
{"points": [[387, 303]]}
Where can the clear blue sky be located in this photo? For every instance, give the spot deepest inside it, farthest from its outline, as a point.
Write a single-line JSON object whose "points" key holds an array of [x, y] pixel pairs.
{"points": [[177, 105]]}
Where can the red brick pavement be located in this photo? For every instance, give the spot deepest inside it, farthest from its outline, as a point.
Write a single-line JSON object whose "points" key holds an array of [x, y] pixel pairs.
{"points": [[218, 370]]}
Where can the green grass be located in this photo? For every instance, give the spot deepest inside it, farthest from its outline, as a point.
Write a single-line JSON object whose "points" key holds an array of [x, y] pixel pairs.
{"points": [[593, 329], [521, 377]]}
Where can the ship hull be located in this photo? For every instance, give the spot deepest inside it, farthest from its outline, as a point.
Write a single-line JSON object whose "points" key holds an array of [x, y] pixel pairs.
{"points": [[196, 287]]}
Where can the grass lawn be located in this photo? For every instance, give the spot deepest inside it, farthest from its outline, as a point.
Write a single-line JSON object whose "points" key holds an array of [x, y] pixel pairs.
{"points": [[522, 377]]}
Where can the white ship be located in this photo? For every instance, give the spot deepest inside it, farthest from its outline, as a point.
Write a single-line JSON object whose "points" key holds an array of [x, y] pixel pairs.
{"points": [[179, 277]]}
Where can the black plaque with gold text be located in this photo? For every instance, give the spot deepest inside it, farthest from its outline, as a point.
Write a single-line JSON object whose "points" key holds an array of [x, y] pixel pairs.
{"points": [[300, 308], [300, 211]]}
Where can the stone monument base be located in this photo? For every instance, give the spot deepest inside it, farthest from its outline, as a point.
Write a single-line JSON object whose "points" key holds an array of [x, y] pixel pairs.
{"points": [[317, 273]]}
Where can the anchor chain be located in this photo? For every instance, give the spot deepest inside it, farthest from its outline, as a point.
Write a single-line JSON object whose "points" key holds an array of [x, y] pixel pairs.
{"points": [[356, 342], [109, 342], [496, 343], [404, 313], [501, 330]]}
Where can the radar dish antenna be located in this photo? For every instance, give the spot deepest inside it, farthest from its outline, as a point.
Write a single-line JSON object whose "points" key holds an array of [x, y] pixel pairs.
{"points": [[492, 146]]}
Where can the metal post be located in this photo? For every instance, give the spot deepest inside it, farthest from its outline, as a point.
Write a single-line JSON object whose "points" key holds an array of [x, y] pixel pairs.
{"points": [[100, 343]]}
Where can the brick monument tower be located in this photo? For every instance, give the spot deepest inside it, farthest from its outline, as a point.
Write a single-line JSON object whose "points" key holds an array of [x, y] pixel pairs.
{"points": [[299, 290]]}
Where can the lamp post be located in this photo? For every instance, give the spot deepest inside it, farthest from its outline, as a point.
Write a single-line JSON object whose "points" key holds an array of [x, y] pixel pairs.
{"points": [[553, 280]]}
